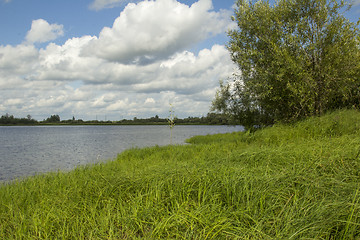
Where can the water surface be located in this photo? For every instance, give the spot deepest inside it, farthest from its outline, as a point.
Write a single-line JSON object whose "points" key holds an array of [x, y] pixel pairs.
{"points": [[27, 150]]}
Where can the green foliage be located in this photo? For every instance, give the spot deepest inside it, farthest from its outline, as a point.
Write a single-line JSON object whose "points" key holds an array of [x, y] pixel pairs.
{"points": [[297, 59], [11, 120], [210, 119], [295, 181], [53, 119]]}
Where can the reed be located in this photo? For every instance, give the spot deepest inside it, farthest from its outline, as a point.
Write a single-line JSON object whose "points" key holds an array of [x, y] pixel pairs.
{"points": [[171, 121]]}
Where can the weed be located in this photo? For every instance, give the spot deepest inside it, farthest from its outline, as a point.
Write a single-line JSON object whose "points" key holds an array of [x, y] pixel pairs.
{"points": [[171, 121]]}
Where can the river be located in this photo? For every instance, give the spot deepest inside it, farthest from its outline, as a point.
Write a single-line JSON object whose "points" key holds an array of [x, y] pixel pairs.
{"points": [[28, 150]]}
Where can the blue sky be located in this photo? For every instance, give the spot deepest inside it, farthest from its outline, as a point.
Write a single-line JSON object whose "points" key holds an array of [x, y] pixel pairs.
{"points": [[113, 58], [77, 16]]}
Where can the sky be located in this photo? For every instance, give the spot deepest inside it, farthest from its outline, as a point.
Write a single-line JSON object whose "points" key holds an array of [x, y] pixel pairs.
{"points": [[114, 59]]}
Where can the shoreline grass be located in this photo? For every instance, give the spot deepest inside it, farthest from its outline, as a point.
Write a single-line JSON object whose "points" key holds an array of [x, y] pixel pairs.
{"points": [[299, 181]]}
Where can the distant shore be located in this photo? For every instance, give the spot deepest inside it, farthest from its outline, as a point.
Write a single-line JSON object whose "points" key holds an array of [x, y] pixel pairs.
{"points": [[210, 119]]}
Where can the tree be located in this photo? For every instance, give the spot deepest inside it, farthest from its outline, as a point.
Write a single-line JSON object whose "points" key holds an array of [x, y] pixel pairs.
{"points": [[7, 119], [53, 119], [296, 58]]}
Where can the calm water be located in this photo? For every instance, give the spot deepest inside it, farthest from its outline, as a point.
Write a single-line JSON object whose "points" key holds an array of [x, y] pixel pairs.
{"points": [[28, 150]]}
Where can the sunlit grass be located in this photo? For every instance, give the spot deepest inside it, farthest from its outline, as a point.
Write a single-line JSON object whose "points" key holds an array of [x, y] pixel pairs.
{"points": [[297, 181]]}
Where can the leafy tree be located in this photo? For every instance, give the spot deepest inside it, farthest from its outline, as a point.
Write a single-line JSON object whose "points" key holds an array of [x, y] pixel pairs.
{"points": [[7, 119], [53, 119], [296, 58], [11, 120]]}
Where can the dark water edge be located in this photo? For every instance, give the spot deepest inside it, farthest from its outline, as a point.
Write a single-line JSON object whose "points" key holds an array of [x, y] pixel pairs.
{"points": [[29, 150]]}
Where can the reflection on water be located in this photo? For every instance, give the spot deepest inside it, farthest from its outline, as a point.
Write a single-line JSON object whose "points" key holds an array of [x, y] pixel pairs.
{"points": [[28, 150]]}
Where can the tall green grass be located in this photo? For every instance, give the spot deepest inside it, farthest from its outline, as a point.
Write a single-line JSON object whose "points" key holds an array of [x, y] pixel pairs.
{"points": [[299, 181]]}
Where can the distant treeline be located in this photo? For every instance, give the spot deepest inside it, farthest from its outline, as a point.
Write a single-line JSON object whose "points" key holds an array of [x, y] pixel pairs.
{"points": [[210, 119], [11, 120]]}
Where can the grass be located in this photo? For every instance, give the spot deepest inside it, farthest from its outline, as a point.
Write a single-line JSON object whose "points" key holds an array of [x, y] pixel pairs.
{"points": [[299, 181]]}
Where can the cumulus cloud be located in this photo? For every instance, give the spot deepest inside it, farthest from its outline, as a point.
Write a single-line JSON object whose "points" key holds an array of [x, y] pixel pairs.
{"points": [[134, 69], [188, 74], [101, 4], [153, 30], [186, 80], [149, 101], [183, 72], [64, 63], [41, 31], [20, 59]]}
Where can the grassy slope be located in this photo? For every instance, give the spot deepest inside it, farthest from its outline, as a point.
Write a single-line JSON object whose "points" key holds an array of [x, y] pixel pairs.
{"points": [[286, 182]]}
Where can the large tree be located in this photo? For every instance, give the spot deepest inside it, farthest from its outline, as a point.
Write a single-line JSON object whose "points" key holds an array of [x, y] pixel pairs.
{"points": [[296, 58]]}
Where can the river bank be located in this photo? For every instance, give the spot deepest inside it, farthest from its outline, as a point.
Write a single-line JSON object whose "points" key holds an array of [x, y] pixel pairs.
{"points": [[285, 182]]}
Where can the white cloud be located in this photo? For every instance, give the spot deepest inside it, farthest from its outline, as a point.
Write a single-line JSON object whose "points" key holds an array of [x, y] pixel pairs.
{"points": [[120, 105], [19, 60], [41, 31], [149, 101], [101, 4], [153, 30], [188, 74], [94, 76], [185, 79], [64, 63]]}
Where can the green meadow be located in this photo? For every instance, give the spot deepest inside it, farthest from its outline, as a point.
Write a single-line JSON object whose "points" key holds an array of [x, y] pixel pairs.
{"points": [[288, 181]]}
